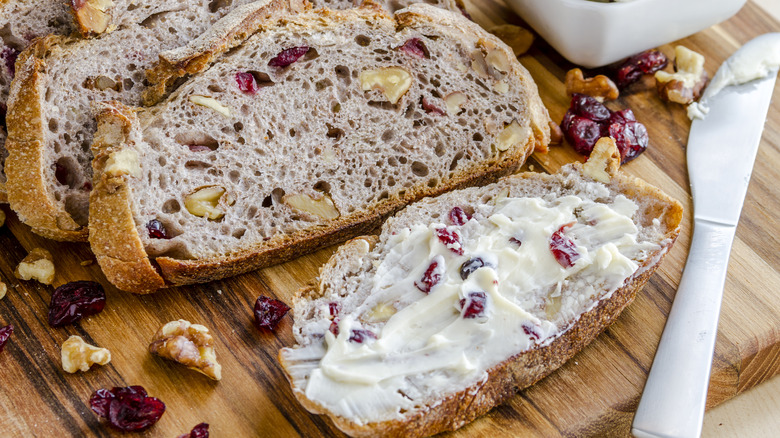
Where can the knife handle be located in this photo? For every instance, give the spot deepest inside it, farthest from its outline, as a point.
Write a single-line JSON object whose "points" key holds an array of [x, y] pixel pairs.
{"points": [[672, 404]]}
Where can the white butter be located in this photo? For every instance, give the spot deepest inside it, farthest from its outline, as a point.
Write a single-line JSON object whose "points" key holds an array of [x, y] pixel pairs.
{"points": [[428, 346], [755, 60]]}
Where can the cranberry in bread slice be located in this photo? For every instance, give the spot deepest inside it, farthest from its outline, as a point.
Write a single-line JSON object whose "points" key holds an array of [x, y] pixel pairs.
{"points": [[411, 335]]}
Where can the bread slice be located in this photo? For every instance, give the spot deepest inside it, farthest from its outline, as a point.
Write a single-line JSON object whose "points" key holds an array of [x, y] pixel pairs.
{"points": [[21, 21], [51, 125], [385, 350], [312, 153]]}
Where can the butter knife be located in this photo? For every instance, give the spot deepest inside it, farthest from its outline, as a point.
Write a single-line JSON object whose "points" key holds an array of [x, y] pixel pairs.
{"points": [[720, 153]]}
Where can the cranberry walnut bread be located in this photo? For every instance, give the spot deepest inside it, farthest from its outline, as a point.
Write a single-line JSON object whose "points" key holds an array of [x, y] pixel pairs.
{"points": [[309, 133], [51, 125], [465, 298]]}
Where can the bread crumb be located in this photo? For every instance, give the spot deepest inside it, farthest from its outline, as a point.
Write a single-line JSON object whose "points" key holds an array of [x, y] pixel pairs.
{"points": [[531, 167], [86, 262]]}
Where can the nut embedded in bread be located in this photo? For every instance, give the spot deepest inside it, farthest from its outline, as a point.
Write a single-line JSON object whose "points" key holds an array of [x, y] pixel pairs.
{"points": [[469, 296], [313, 155]]}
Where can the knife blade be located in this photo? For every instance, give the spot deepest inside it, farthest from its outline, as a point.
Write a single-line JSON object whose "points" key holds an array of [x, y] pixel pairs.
{"points": [[721, 151]]}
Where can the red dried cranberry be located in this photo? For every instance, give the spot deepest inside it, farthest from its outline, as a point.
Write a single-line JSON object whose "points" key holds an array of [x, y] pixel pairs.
{"points": [[581, 133], [531, 331], [516, 241], [268, 312], [198, 148], [416, 48], [450, 239], [75, 300], [157, 230], [87, 186], [641, 64], [61, 174], [464, 12], [127, 409], [333, 309], [287, 57], [586, 106], [622, 116], [432, 276], [473, 305], [5, 333], [78, 4], [199, 431], [9, 55], [334, 327], [246, 82], [471, 265], [563, 248], [430, 108], [631, 139], [458, 217], [360, 335]]}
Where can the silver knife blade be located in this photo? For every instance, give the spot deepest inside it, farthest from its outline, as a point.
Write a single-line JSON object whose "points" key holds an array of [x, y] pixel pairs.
{"points": [[721, 151]]}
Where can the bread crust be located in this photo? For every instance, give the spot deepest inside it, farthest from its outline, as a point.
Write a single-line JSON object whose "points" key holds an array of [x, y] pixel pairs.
{"points": [[25, 167], [521, 370]]}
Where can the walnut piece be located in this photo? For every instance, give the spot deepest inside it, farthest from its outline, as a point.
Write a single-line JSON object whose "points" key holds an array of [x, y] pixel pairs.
{"points": [[604, 161], [3, 290], [78, 355], [512, 135], [600, 87], [322, 207], [393, 82], [189, 344], [454, 102], [38, 265], [124, 162], [687, 82], [203, 202], [93, 16], [210, 102], [516, 37]]}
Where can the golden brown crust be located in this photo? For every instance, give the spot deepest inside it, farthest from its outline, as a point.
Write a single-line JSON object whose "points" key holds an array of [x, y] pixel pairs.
{"points": [[25, 167], [201, 53], [123, 260]]}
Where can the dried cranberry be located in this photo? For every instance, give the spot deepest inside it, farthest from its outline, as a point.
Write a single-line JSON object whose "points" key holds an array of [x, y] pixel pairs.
{"points": [[334, 327], [87, 186], [563, 248], [432, 276], [333, 309], [287, 57], [471, 265], [531, 331], [78, 4], [516, 241], [360, 335], [157, 230], [9, 55], [268, 312], [199, 431], [464, 12], [641, 64], [631, 139], [586, 106], [246, 82], [430, 108], [458, 217], [622, 116], [581, 133], [61, 173], [75, 300], [127, 409], [473, 305], [5, 333], [450, 239], [198, 148], [416, 48]]}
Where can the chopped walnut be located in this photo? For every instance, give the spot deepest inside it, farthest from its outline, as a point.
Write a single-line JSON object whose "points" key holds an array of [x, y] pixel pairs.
{"points": [[516, 37], [190, 345], [38, 265], [78, 355], [3, 290], [604, 161], [92, 16], [687, 82], [599, 87]]}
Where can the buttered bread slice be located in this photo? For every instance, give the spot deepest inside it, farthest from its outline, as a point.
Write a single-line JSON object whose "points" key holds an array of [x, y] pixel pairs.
{"points": [[312, 130], [466, 298]]}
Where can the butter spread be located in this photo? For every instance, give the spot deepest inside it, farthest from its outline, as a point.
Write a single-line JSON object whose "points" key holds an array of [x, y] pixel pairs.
{"points": [[429, 344], [756, 59]]}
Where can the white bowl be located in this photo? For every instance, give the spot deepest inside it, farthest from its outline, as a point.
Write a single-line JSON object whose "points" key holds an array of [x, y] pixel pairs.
{"points": [[593, 34]]}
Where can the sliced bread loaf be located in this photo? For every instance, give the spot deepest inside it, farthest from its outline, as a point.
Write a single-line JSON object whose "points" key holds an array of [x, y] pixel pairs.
{"points": [[51, 125], [311, 131], [21, 21], [466, 298]]}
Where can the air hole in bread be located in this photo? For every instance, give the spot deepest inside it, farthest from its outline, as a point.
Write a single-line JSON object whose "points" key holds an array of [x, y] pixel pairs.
{"points": [[67, 171], [171, 206], [215, 5], [382, 105], [77, 206], [162, 161], [239, 233], [342, 72], [53, 125], [153, 20], [292, 132], [214, 88], [477, 137], [262, 79], [334, 133], [197, 141], [383, 195], [276, 195], [196, 165], [268, 201], [322, 84], [433, 182], [419, 169], [455, 160], [234, 176], [388, 135], [362, 40]]}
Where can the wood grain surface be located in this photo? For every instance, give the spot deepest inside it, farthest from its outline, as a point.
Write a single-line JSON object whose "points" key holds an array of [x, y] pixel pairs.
{"points": [[595, 393]]}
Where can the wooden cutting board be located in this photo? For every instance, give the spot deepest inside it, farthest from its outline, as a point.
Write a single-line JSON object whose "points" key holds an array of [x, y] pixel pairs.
{"points": [[595, 393]]}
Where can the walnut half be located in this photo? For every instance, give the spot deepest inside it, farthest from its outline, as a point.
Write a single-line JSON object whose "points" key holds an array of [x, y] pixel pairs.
{"points": [[78, 355], [687, 82], [599, 87], [38, 265], [190, 345]]}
